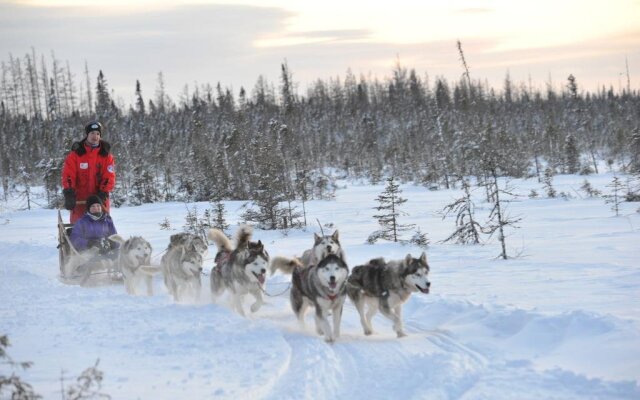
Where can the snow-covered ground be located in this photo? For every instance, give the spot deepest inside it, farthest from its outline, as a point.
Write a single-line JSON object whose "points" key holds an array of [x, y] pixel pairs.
{"points": [[559, 321]]}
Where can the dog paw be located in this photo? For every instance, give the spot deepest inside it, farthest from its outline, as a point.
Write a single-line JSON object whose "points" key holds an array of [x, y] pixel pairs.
{"points": [[255, 307], [401, 334], [368, 332]]}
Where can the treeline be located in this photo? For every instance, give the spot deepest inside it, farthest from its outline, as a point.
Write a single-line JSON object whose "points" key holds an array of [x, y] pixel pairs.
{"points": [[272, 144]]}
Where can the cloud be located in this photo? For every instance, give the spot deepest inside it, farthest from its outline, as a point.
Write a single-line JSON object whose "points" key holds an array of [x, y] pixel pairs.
{"points": [[340, 35], [473, 11], [234, 45], [203, 43]]}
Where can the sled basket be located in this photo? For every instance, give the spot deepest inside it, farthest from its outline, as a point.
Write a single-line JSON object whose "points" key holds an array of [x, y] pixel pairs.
{"points": [[82, 269]]}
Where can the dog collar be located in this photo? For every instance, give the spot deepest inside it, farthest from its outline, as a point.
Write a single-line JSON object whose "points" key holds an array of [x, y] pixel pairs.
{"points": [[332, 297]]}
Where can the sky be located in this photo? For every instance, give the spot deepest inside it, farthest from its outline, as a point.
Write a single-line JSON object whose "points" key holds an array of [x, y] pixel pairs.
{"points": [[194, 42]]}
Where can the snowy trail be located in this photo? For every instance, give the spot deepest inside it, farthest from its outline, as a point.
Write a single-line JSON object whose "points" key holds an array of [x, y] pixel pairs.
{"points": [[454, 349], [463, 361]]}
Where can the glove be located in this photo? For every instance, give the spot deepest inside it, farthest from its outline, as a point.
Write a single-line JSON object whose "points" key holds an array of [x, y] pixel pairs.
{"points": [[103, 196], [103, 245], [69, 199]]}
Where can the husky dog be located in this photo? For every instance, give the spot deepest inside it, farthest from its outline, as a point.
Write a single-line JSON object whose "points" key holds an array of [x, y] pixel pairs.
{"points": [[322, 247], [240, 269], [182, 267], [134, 262], [385, 286], [79, 266], [322, 286], [189, 241]]}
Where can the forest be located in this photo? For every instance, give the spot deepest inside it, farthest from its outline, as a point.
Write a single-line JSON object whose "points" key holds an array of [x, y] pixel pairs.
{"points": [[271, 144]]}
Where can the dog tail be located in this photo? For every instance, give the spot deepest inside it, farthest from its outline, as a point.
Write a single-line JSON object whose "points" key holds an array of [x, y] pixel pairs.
{"points": [[243, 236], [116, 238], [150, 269], [221, 240], [284, 264]]}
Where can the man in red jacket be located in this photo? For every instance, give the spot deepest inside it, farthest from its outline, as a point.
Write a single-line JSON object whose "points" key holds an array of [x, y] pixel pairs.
{"points": [[88, 170]]}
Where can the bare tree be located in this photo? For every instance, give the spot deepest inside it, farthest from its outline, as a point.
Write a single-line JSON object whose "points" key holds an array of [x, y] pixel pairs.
{"points": [[467, 228], [498, 217]]}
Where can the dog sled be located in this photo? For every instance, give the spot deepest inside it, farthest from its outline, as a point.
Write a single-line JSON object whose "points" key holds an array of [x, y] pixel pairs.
{"points": [[83, 268]]}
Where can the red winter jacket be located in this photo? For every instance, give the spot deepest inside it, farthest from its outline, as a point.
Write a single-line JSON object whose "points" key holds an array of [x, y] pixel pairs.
{"points": [[87, 171]]}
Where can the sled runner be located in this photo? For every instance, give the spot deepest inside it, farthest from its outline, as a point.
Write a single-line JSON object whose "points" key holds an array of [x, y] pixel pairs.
{"points": [[83, 268]]}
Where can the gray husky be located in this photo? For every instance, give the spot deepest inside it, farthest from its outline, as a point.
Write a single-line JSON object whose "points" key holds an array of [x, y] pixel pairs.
{"points": [[189, 241], [134, 261], [322, 247], [322, 286], [241, 269], [182, 267], [385, 286]]}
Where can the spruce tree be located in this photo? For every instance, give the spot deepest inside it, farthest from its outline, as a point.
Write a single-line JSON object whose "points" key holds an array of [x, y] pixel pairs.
{"points": [[302, 187], [589, 190], [140, 109], [103, 99], [51, 169], [572, 86], [635, 150], [419, 239], [614, 197], [548, 183], [572, 157], [389, 208], [269, 187], [219, 221]]}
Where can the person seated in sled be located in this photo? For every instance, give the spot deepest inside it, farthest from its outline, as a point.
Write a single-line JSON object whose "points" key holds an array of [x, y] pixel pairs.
{"points": [[94, 229]]}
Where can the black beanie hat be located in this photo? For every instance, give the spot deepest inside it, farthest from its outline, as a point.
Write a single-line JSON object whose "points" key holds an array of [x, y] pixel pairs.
{"points": [[93, 200], [93, 126]]}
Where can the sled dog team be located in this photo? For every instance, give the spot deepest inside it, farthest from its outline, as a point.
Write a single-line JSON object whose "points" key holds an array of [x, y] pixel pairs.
{"points": [[320, 278]]}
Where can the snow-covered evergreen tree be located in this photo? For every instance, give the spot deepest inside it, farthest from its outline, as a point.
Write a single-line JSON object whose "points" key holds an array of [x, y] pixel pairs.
{"points": [[389, 207], [219, 219], [635, 150], [269, 187], [419, 239], [614, 198], [140, 107], [589, 190], [572, 156], [547, 183], [104, 104]]}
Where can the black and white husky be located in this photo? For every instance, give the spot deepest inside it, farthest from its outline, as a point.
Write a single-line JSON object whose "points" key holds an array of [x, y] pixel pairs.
{"points": [[181, 267], [134, 262], [322, 247], [241, 269], [385, 286], [322, 286]]}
